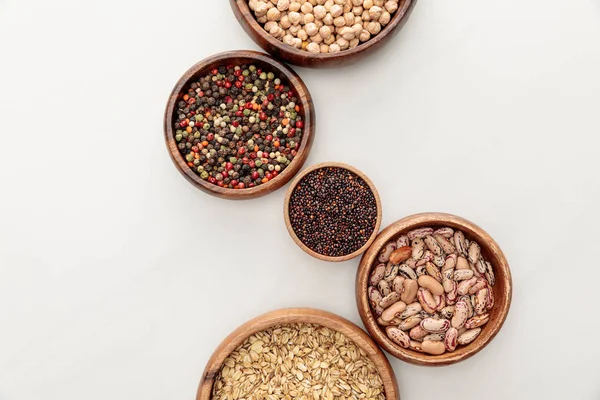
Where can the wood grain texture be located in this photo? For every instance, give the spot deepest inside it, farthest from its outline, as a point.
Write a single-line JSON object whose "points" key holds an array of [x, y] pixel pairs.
{"points": [[303, 58], [265, 62], [288, 223], [491, 252], [298, 315]]}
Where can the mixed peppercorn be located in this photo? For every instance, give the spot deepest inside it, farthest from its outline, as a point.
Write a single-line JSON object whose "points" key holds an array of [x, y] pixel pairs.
{"points": [[238, 126], [333, 211]]}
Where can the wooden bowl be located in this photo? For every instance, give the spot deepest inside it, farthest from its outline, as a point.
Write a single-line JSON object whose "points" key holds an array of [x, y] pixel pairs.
{"points": [[266, 62], [291, 316], [303, 58], [288, 224], [491, 252]]}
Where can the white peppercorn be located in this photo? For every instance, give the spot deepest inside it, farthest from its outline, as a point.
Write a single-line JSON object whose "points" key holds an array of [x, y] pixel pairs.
{"points": [[334, 48], [283, 5], [319, 12], [391, 6], [374, 27], [375, 13], [385, 18], [311, 29], [313, 48]]}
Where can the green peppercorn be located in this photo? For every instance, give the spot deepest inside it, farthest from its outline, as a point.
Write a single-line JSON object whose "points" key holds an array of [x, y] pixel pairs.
{"points": [[233, 160], [252, 68], [258, 163], [178, 137], [204, 175], [263, 76]]}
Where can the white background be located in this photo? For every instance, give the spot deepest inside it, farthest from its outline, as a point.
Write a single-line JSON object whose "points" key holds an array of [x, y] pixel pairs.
{"points": [[118, 278]]}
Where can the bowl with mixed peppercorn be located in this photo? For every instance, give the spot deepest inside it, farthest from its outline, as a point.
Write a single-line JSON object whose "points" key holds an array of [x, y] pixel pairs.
{"points": [[239, 124]]}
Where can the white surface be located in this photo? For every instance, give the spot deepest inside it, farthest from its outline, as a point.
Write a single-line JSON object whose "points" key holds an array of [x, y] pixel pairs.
{"points": [[118, 278]]}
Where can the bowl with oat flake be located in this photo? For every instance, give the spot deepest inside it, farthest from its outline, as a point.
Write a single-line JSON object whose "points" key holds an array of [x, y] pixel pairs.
{"points": [[298, 353]]}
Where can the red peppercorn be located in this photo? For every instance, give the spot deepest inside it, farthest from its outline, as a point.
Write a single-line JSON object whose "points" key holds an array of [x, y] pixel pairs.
{"points": [[262, 116], [271, 97], [239, 113], [192, 100], [210, 136], [274, 173], [201, 94], [299, 124], [195, 149], [294, 152], [225, 174], [227, 84], [245, 160], [251, 164], [238, 84], [268, 138], [235, 123], [212, 179], [183, 123], [241, 185], [234, 183], [241, 150], [265, 103], [252, 155], [240, 79], [219, 83], [249, 105], [254, 175], [259, 71], [228, 166], [269, 175], [228, 100], [251, 185], [220, 183], [290, 94], [215, 71], [237, 72]]}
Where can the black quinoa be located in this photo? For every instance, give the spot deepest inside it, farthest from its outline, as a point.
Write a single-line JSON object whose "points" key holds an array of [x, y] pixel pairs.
{"points": [[333, 211]]}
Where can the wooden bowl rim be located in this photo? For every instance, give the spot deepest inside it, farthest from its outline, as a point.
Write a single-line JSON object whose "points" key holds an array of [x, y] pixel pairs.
{"points": [[400, 15], [288, 223], [296, 315], [426, 219], [306, 104]]}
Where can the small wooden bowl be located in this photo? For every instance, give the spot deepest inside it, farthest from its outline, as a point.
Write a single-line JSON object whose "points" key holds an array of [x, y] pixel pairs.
{"points": [[491, 252], [303, 58], [288, 223], [266, 62], [291, 316]]}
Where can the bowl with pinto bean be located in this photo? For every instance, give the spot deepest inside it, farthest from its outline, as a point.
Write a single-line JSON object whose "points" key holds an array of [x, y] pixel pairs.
{"points": [[433, 289], [321, 33]]}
